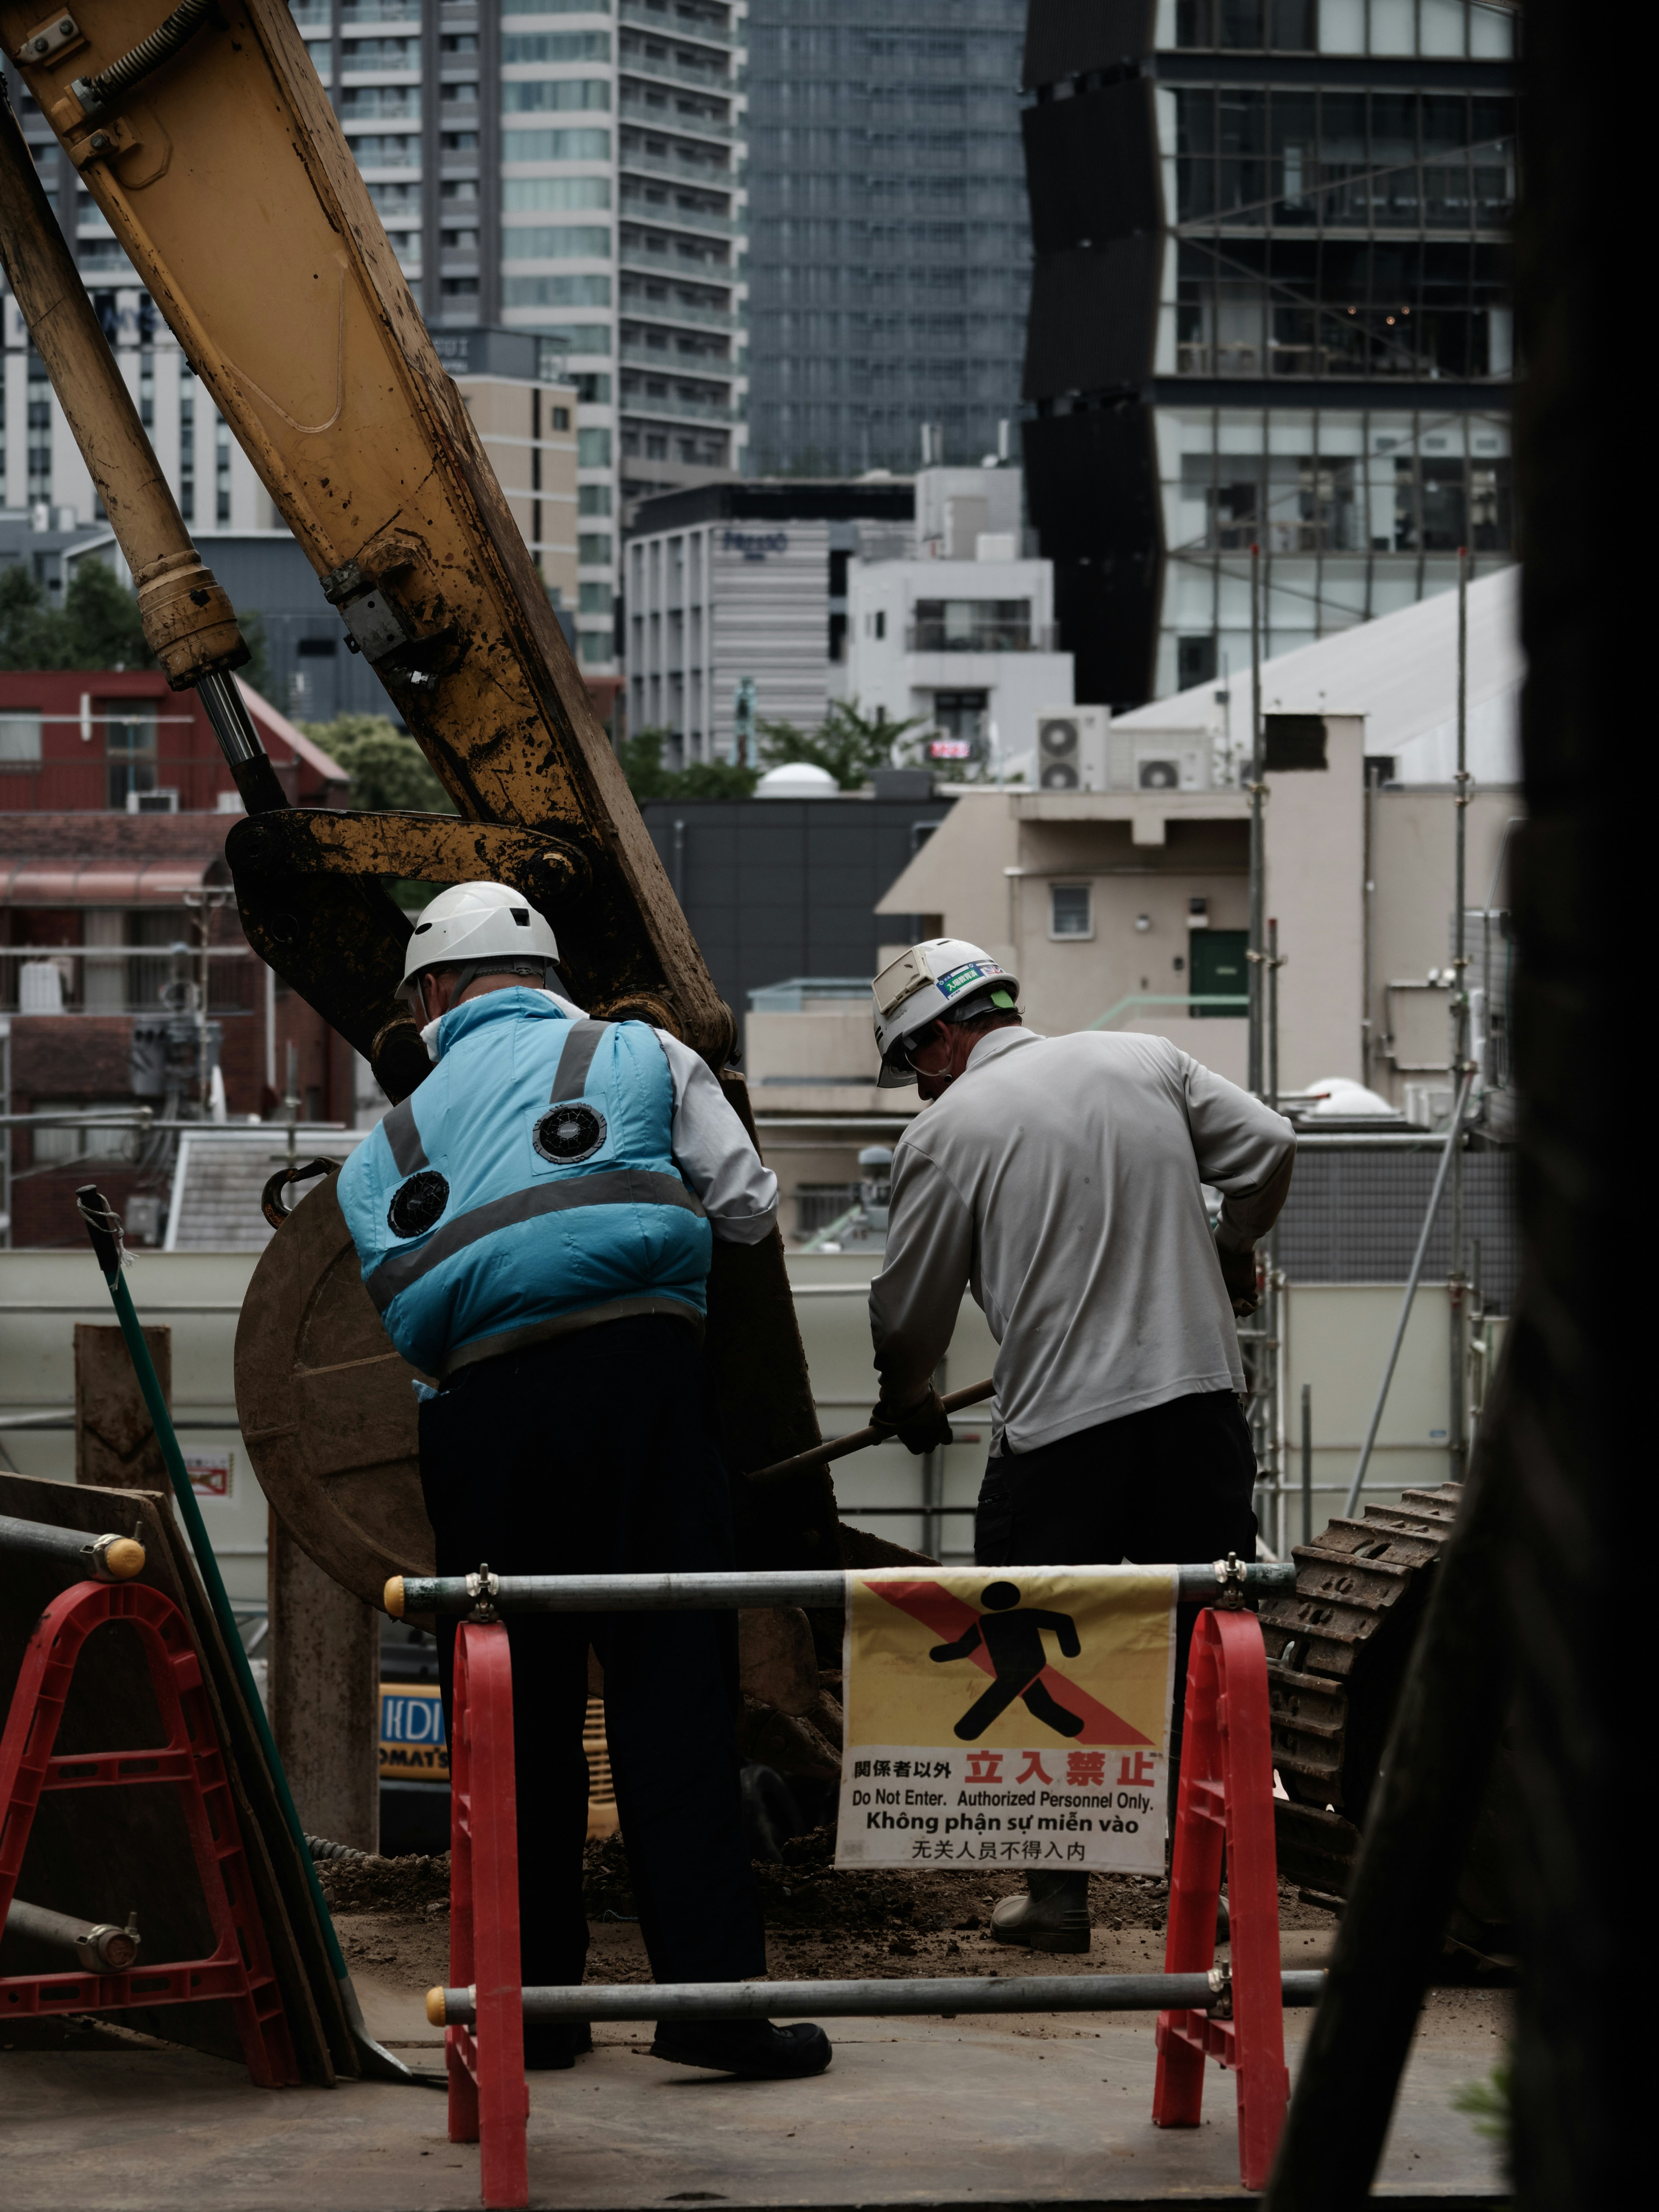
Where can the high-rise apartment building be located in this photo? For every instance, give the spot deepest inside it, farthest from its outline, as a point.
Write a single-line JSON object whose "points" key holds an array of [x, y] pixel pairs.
{"points": [[1271, 307], [889, 250], [567, 168]]}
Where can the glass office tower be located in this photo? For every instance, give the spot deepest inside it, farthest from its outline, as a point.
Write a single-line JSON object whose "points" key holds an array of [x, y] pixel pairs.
{"points": [[1273, 309], [889, 246]]}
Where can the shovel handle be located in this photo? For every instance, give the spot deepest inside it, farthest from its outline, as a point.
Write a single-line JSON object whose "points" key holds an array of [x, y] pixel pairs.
{"points": [[858, 1439]]}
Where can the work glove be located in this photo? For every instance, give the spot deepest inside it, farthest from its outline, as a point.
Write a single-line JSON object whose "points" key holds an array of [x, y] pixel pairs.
{"points": [[1238, 1275], [923, 1427]]}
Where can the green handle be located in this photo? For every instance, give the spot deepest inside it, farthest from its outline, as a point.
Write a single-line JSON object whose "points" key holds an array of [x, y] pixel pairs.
{"points": [[109, 1261]]}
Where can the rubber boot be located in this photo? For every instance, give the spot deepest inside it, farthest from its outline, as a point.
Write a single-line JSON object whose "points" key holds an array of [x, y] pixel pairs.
{"points": [[752, 2048], [1052, 1916]]}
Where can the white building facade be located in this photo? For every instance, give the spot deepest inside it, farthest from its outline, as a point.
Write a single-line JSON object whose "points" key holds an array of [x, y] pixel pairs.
{"points": [[959, 634]]}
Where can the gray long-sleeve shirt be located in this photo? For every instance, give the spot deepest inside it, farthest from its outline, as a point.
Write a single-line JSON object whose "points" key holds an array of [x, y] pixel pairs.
{"points": [[1059, 1179]]}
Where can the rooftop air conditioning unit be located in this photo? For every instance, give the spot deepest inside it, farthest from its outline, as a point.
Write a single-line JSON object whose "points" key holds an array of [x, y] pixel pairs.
{"points": [[1175, 760], [152, 802], [1071, 748]]}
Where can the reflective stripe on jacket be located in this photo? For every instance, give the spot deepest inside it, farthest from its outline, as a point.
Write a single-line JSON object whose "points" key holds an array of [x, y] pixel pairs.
{"points": [[530, 1178]]}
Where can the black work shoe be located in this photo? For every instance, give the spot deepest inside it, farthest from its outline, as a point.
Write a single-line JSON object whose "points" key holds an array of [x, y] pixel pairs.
{"points": [[1053, 1916], [552, 2045], [752, 2048]]}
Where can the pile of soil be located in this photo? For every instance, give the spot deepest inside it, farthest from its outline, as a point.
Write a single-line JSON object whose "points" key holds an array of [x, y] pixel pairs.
{"points": [[409, 1885]]}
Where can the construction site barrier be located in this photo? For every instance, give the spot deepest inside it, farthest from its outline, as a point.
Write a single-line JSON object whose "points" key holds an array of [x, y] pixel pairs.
{"points": [[189, 1761], [489, 2097], [1226, 1809], [105, 1558], [1232, 2014], [940, 1998], [811, 1589]]}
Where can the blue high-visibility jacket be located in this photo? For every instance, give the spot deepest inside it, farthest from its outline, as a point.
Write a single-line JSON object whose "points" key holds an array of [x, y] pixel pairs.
{"points": [[529, 1180]]}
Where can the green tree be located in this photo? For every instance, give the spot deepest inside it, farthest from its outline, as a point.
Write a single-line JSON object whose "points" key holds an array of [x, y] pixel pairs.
{"points": [[388, 772], [100, 617], [29, 628], [848, 744], [641, 760], [96, 626]]}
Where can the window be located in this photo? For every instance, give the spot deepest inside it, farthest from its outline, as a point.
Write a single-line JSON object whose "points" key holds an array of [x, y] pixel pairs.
{"points": [[1071, 910], [1194, 661], [595, 599], [554, 46], [558, 292], [50, 1146], [971, 626], [531, 195], [592, 449], [563, 241], [560, 418], [20, 740], [555, 146], [555, 93], [593, 549], [128, 746], [593, 499]]}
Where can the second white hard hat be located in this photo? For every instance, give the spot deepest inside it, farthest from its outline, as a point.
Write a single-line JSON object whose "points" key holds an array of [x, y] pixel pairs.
{"points": [[476, 922], [932, 981]]}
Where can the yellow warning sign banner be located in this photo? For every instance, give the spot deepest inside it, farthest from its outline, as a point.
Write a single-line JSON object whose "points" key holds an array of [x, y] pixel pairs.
{"points": [[1012, 1716]]}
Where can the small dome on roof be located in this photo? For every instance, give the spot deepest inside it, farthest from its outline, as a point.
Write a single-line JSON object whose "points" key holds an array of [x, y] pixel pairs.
{"points": [[1345, 1097], [797, 779]]}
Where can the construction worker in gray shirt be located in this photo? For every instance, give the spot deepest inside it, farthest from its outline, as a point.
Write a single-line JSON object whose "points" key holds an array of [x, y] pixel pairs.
{"points": [[1059, 1180]]}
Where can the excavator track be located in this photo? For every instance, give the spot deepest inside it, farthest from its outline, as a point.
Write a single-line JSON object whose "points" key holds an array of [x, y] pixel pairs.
{"points": [[1337, 1654]]}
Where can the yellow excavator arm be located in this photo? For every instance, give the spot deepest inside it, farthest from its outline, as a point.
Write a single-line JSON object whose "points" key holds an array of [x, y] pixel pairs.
{"points": [[209, 144]]}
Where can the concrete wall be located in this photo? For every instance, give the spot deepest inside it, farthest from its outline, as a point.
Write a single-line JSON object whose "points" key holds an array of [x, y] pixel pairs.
{"points": [[1314, 885], [527, 430]]}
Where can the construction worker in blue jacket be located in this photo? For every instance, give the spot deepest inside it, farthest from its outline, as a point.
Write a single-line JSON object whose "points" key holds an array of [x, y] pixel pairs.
{"points": [[535, 1224]]}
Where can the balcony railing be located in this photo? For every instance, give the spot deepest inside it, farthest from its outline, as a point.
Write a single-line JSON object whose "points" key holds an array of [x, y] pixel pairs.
{"points": [[681, 117], [992, 637], [682, 167], [702, 221], [116, 978], [670, 408], [163, 783], [670, 362], [633, 60], [660, 260], [636, 310], [677, 22]]}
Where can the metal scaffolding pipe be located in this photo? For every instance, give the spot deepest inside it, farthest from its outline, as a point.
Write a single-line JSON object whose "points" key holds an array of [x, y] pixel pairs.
{"points": [[452, 1594], [943, 1996], [105, 1558]]}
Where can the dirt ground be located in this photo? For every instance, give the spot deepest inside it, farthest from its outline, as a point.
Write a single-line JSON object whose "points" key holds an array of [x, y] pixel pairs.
{"points": [[824, 1922]]}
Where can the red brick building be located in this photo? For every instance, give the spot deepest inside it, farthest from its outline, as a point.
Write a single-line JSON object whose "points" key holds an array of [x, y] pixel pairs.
{"points": [[114, 802]]}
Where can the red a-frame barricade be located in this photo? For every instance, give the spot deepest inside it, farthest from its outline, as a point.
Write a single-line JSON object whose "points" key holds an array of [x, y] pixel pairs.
{"points": [[1226, 1801], [191, 1760], [489, 2102]]}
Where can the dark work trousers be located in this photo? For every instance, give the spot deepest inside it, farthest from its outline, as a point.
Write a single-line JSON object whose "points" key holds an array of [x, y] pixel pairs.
{"points": [[1171, 1485], [595, 1453]]}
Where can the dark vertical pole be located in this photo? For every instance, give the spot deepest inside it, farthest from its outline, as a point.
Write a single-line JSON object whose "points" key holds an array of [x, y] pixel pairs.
{"points": [[1433, 1781], [1257, 856], [1457, 1280], [1307, 1463]]}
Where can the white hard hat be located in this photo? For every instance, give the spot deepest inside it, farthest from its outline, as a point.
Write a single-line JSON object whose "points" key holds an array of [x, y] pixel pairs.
{"points": [[941, 979], [490, 926]]}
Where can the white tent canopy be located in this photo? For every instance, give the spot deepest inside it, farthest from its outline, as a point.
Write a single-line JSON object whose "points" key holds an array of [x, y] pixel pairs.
{"points": [[1400, 673]]}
